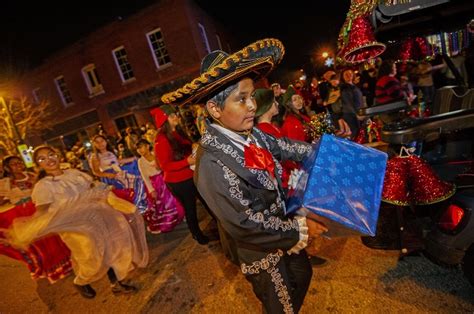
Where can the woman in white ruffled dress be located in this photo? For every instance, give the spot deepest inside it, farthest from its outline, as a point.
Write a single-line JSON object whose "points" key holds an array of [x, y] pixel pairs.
{"points": [[102, 239]]}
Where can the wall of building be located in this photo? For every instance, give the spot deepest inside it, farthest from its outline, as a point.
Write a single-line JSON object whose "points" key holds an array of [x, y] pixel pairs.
{"points": [[177, 20]]}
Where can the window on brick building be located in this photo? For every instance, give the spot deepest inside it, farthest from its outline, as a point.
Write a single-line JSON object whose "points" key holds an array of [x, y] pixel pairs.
{"points": [[92, 80], [123, 66], [158, 48], [36, 95], [63, 91], [219, 44], [202, 32]]}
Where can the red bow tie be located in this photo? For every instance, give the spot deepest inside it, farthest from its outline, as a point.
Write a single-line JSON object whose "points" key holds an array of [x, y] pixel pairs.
{"points": [[259, 158]]}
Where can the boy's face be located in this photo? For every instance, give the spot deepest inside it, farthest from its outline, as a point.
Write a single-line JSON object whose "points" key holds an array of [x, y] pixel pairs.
{"points": [[239, 107]]}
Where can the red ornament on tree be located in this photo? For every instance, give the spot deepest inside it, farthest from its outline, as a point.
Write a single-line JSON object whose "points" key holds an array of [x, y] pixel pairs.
{"points": [[356, 40], [425, 185], [414, 49], [362, 45], [395, 186]]}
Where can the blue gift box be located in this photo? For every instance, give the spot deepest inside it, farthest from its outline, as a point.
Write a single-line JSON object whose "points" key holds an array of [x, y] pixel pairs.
{"points": [[342, 184]]}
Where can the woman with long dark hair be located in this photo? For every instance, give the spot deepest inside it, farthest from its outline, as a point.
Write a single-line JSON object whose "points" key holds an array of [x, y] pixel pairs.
{"points": [[122, 174], [296, 122], [18, 182], [174, 153]]}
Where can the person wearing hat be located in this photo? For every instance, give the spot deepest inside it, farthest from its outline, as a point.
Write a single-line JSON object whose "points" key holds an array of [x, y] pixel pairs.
{"points": [[267, 108], [238, 174], [278, 92], [174, 153]]}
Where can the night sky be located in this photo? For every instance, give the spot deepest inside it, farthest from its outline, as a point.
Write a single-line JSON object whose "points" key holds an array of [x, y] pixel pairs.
{"points": [[30, 31]]}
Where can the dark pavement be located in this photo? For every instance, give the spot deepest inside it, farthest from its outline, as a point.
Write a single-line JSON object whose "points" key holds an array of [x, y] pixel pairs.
{"points": [[185, 277]]}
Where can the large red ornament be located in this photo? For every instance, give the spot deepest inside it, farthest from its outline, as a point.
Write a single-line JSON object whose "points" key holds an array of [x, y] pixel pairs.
{"points": [[362, 45], [395, 187], [425, 185], [414, 49]]}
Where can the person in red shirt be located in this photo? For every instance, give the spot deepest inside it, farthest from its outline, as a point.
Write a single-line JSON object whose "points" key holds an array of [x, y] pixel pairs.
{"points": [[296, 122], [174, 153], [388, 88], [267, 108]]}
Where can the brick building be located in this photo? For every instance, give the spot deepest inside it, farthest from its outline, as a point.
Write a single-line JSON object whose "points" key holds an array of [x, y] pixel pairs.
{"points": [[115, 74]]}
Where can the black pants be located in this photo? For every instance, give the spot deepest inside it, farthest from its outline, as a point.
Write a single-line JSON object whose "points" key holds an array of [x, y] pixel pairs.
{"points": [[293, 274], [187, 193], [111, 275]]}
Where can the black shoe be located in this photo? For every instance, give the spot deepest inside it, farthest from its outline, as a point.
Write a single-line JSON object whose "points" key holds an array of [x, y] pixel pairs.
{"points": [[201, 239], [318, 261], [381, 243], [86, 291], [121, 288]]}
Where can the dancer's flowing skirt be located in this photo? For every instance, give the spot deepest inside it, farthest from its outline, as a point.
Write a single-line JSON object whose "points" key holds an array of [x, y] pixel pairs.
{"points": [[47, 257], [99, 236], [130, 179], [164, 212]]}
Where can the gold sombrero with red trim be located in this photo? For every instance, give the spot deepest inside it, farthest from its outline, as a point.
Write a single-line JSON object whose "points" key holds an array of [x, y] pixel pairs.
{"points": [[219, 68]]}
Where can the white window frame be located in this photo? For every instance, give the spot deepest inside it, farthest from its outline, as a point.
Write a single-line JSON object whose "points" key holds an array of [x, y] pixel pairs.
{"points": [[203, 33], [119, 68], [155, 58], [36, 95], [94, 86], [62, 90]]}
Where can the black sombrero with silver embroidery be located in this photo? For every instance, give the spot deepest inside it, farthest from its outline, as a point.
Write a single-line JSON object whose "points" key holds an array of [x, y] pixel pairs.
{"points": [[219, 69]]}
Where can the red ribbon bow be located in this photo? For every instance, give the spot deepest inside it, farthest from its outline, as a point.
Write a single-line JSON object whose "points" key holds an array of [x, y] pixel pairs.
{"points": [[259, 158]]}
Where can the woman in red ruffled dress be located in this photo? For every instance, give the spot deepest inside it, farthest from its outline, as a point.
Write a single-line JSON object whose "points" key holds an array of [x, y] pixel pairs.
{"points": [[48, 257]]}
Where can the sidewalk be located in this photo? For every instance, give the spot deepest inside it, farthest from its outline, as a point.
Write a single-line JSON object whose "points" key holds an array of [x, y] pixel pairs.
{"points": [[185, 277]]}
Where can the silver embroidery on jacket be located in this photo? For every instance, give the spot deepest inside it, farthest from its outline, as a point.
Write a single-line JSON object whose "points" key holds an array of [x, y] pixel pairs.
{"points": [[294, 147], [262, 177], [272, 222], [234, 182]]}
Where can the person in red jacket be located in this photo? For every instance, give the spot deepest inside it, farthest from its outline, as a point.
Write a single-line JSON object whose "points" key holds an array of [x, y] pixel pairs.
{"points": [[174, 153], [267, 108], [296, 123]]}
